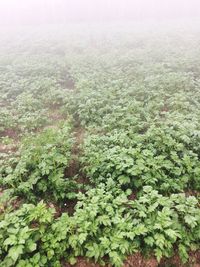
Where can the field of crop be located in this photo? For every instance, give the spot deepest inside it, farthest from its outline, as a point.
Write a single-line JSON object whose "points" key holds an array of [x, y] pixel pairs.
{"points": [[100, 147]]}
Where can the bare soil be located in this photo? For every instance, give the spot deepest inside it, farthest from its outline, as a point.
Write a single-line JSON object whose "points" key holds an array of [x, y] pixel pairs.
{"points": [[137, 260]]}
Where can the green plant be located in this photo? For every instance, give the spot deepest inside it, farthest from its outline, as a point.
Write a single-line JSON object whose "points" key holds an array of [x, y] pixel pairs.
{"points": [[20, 231], [164, 157], [39, 171], [102, 225], [137, 97], [167, 221]]}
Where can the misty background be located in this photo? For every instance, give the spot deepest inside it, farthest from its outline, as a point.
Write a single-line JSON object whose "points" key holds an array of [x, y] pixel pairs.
{"points": [[34, 12]]}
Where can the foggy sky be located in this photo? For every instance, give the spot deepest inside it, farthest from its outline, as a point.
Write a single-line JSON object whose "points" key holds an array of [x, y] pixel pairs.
{"points": [[25, 12]]}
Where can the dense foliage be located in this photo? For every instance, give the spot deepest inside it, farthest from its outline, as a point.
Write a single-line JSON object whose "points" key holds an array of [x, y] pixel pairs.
{"points": [[105, 223], [39, 170], [100, 146]]}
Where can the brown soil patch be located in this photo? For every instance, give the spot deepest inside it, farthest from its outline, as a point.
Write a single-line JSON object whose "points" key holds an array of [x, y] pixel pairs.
{"points": [[137, 260], [11, 134], [79, 136], [67, 84], [68, 207], [83, 262], [192, 193], [8, 148], [15, 203], [55, 114], [132, 196], [175, 261], [74, 167]]}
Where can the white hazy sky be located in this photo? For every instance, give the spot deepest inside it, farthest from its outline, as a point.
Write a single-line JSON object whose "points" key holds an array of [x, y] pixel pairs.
{"points": [[14, 12]]}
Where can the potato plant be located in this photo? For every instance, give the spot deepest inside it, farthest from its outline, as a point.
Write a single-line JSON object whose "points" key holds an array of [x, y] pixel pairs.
{"points": [[100, 146], [39, 169]]}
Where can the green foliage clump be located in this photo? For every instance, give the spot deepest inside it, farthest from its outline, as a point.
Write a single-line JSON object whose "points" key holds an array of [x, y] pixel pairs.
{"points": [[166, 222], [136, 97], [163, 157], [6, 120], [29, 112], [106, 227], [39, 170], [20, 233], [103, 225]]}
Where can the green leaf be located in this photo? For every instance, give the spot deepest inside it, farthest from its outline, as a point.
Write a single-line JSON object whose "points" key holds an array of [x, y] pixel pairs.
{"points": [[124, 180], [31, 246], [82, 237], [183, 253], [158, 254], [72, 260], [149, 241], [11, 240], [15, 252]]}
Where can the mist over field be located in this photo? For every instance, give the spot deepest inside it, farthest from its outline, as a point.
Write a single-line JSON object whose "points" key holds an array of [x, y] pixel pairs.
{"points": [[99, 133], [25, 12]]}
